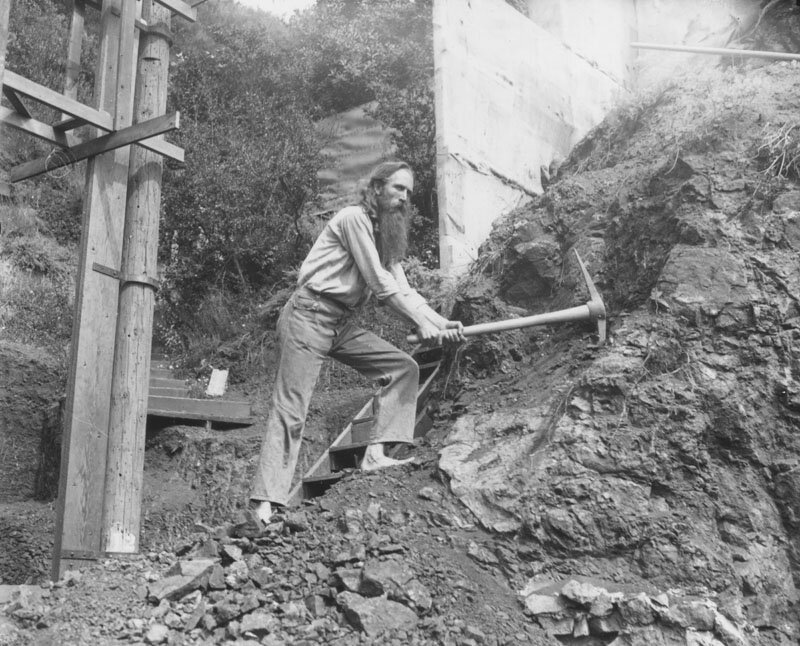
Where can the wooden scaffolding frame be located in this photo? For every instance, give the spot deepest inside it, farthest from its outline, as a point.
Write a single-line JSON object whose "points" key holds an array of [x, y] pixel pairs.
{"points": [[102, 450]]}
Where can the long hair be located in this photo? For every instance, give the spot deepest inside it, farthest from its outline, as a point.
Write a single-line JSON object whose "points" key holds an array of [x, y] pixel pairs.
{"points": [[391, 230]]}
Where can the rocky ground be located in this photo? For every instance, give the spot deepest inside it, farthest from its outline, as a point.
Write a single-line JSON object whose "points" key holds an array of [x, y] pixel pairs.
{"points": [[646, 491]]}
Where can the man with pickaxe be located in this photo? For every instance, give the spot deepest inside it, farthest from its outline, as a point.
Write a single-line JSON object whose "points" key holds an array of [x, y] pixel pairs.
{"points": [[357, 255]]}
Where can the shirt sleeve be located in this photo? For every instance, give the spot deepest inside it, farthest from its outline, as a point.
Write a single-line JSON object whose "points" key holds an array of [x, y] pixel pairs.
{"points": [[402, 282], [358, 239]]}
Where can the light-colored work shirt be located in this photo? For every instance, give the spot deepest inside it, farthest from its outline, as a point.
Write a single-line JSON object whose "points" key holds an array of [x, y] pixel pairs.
{"points": [[344, 264]]}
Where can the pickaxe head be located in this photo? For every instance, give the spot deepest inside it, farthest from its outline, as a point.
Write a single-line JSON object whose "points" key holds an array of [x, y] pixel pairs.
{"points": [[597, 309]]}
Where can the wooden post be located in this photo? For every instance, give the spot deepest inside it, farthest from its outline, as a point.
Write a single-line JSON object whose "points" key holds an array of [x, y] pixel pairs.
{"points": [[85, 438], [72, 71], [5, 10], [129, 385]]}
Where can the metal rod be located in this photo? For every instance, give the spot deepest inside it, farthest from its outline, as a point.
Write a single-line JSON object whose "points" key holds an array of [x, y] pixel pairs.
{"points": [[722, 51]]}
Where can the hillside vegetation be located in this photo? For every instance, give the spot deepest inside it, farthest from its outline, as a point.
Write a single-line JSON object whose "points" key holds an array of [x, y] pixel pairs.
{"points": [[250, 89]]}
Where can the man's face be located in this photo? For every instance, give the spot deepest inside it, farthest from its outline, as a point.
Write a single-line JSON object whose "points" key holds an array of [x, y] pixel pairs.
{"points": [[395, 194]]}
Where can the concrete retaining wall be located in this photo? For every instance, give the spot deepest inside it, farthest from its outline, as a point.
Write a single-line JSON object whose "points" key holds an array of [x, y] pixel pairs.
{"points": [[513, 93]]}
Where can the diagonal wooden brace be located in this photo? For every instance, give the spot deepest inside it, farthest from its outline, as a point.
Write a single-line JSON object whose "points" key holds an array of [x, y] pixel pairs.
{"points": [[135, 134], [593, 310]]}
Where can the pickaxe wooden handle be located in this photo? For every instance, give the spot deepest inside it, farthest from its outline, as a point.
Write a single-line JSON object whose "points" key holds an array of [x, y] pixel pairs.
{"points": [[593, 310]]}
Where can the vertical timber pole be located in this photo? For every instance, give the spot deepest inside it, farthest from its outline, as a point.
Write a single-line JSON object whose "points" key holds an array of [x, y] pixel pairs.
{"points": [[129, 385], [5, 11], [85, 438], [73, 68]]}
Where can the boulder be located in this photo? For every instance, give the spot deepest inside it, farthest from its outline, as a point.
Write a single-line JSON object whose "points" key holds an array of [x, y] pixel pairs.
{"points": [[376, 615]]}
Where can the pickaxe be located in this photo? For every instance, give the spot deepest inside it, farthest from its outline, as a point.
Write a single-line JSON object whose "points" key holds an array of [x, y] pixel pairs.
{"points": [[593, 310]]}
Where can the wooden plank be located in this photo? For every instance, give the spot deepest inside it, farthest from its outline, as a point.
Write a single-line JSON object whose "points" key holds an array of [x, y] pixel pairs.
{"points": [[38, 129], [200, 408], [85, 438], [70, 123], [51, 134], [126, 66], [162, 391], [97, 146], [72, 70], [99, 118], [16, 102], [167, 382], [129, 378], [5, 10], [347, 456], [163, 148], [181, 8], [203, 417]]}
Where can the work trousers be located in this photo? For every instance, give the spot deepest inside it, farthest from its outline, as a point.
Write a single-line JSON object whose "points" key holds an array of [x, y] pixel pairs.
{"points": [[310, 328]]}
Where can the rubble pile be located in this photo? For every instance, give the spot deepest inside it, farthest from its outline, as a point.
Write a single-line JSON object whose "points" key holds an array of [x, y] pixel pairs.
{"points": [[316, 576], [581, 612]]}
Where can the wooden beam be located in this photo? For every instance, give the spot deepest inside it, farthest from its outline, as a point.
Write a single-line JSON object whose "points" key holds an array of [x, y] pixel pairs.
{"points": [[38, 129], [69, 123], [5, 10], [98, 146], [128, 49], [181, 8], [53, 135], [131, 375], [45, 95], [72, 71], [16, 102], [163, 148], [85, 436]]}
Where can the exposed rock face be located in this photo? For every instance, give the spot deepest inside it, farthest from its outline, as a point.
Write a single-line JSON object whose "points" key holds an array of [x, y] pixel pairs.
{"points": [[672, 458]]}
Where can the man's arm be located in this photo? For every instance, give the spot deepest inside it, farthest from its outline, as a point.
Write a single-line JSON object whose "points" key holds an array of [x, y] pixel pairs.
{"points": [[406, 307], [431, 326]]}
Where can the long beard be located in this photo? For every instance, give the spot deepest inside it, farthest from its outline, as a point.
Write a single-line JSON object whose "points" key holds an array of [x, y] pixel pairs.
{"points": [[392, 239]]}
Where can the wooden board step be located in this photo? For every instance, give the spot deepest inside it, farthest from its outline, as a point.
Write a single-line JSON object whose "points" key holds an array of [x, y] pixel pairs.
{"points": [[347, 456], [212, 410], [158, 382], [160, 391], [318, 485], [160, 373]]}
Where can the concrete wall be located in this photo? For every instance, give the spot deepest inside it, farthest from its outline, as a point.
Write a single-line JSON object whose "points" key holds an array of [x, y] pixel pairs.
{"points": [[509, 98], [514, 93]]}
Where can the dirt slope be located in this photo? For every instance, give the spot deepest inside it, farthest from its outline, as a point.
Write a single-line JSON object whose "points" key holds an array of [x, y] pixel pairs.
{"points": [[642, 492]]}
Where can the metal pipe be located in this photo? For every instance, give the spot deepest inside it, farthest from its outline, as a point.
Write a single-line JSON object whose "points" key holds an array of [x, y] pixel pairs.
{"points": [[722, 51]]}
